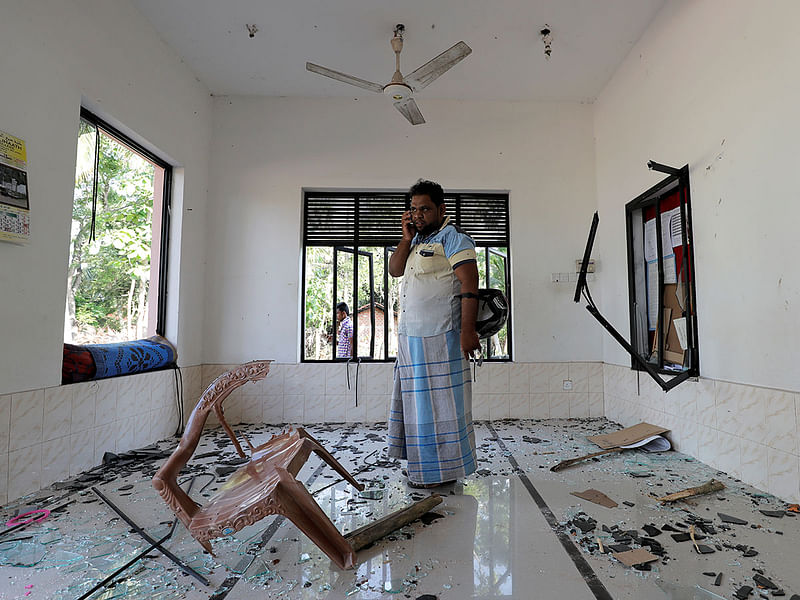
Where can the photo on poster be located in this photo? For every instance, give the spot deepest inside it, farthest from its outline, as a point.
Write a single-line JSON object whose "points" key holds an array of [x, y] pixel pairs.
{"points": [[13, 187]]}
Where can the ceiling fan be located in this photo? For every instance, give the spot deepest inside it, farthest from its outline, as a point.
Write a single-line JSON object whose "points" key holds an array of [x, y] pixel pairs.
{"points": [[401, 89]]}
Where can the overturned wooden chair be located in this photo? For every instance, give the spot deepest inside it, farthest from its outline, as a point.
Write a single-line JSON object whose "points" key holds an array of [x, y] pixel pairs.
{"points": [[265, 485]]}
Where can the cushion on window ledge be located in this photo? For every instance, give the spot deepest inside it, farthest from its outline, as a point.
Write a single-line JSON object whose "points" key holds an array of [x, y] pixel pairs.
{"points": [[99, 361]]}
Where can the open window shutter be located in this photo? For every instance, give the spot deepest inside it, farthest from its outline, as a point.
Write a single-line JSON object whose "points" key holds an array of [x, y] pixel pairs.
{"points": [[363, 220], [329, 221], [379, 219], [484, 218], [374, 220]]}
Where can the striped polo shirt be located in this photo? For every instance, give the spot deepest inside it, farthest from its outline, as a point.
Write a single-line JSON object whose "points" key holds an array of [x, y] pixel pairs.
{"points": [[428, 305]]}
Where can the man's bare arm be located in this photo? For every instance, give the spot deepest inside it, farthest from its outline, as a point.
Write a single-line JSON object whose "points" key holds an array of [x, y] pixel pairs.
{"points": [[467, 274]]}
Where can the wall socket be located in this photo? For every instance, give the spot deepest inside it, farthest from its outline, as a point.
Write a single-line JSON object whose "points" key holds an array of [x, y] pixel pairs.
{"points": [[567, 385], [589, 267], [568, 277]]}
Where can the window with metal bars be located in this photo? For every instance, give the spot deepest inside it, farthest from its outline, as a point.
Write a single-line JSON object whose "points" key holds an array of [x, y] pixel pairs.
{"points": [[348, 238]]}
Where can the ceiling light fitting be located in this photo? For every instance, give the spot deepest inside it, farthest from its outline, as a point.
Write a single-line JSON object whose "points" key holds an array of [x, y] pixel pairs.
{"points": [[397, 91]]}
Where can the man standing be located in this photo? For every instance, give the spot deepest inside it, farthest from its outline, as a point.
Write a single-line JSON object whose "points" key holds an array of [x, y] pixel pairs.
{"points": [[430, 423], [344, 343]]}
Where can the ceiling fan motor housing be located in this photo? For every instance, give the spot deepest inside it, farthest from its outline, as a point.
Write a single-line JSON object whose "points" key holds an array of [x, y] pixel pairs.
{"points": [[397, 91]]}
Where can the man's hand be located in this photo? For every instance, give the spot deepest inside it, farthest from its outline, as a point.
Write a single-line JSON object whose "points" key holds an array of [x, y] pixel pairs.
{"points": [[408, 227], [397, 261], [470, 342]]}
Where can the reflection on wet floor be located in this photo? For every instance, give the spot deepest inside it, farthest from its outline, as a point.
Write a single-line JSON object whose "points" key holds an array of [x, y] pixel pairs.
{"points": [[511, 530]]}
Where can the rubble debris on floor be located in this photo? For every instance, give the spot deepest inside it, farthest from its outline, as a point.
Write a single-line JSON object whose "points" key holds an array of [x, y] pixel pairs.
{"points": [[511, 527]]}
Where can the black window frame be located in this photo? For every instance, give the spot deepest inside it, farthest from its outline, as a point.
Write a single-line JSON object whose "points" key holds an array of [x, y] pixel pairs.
{"points": [[676, 182], [487, 233], [166, 206]]}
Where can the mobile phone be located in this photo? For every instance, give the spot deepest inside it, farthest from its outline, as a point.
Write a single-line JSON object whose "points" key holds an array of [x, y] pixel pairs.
{"points": [[410, 227]]}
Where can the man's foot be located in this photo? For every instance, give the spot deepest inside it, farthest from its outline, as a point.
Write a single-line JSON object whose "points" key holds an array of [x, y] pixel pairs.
{"points": [[427, 486]]}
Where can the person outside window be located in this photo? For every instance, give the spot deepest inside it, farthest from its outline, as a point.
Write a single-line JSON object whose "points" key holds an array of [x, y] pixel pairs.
{"points": [[344, 344], [430, 421]]}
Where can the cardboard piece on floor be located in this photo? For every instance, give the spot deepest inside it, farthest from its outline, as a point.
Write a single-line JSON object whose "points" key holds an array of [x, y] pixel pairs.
{"points": [[635, 557], [597, 497], [627, 436]]}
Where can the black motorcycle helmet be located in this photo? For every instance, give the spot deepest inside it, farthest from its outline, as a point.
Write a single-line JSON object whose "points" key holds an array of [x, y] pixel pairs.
{"points": [[492, 312]]}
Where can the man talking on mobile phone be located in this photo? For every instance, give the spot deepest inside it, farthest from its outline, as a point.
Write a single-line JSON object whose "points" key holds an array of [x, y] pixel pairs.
{"points": [[430, 422]]}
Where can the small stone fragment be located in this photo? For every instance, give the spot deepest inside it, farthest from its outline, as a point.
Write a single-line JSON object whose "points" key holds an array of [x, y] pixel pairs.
{"points": [[743, 592], [763, 582], [651, 530], [732, 520], [585, 525]]}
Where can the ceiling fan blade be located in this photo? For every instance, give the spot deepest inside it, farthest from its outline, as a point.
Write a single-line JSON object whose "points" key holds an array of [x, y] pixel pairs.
{"points": [[409, 109], [437, 66], [362, 83]]}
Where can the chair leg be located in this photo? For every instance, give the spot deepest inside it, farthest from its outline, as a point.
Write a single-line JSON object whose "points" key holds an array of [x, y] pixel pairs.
{"points": [[328, 458], [297, 505]]}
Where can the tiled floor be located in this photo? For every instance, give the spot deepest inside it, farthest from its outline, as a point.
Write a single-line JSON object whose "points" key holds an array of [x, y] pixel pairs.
{"points": [[506, 532]]}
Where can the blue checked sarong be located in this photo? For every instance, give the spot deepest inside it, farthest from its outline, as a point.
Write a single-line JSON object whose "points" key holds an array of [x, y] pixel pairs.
{"points": [[430, 423]]}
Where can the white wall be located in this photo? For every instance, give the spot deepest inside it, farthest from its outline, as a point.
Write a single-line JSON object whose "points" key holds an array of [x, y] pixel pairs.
{"points": [[53, 54], [713, 84], [265, 150]]}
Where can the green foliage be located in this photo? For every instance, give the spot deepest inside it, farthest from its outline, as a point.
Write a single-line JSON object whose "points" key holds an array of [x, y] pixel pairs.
{"points": [[110, 274], [319, 294], [318, 302]]}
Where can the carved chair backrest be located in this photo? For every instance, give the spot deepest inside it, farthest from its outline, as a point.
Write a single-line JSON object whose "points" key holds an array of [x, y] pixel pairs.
{"points": [[166, 479]]}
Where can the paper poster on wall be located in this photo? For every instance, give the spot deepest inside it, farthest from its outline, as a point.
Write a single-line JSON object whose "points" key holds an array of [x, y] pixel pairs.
{"points": [[14, 203]]}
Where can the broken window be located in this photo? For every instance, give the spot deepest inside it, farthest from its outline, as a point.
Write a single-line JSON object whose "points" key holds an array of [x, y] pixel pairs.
{"points": [[661, 273], [348, 239]]}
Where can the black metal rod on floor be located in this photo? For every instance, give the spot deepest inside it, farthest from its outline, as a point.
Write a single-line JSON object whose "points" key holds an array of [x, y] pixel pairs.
{"points": [[135, 559], [138, 557], [186, 569]]}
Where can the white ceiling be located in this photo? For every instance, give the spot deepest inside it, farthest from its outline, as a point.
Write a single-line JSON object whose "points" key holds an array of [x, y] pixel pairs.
{"points": [[590, 39]]}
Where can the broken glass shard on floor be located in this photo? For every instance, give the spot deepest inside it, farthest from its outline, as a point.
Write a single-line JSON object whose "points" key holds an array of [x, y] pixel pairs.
{"points": [[21, 554], [394, 586], [371, 494]]}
